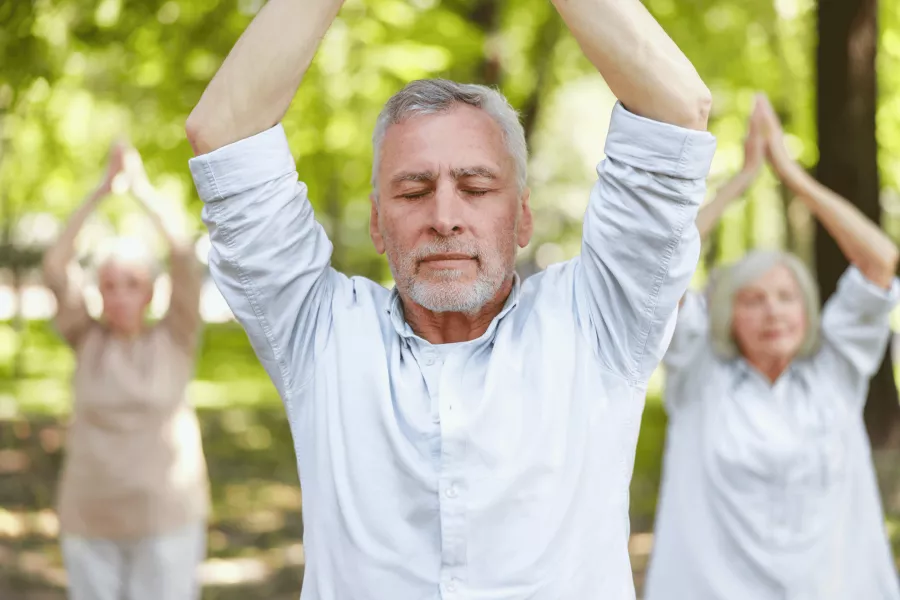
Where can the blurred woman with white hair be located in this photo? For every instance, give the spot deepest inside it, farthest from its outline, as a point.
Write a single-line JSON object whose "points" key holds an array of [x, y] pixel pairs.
{"points": [[133, 493], [769, 491]]}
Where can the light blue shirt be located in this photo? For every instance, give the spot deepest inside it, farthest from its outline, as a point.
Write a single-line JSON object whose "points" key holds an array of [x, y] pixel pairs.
{"points": [[492, 469], [769, 489]]}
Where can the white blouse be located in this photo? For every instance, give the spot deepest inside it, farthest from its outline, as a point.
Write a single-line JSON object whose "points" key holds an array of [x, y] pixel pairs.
{"points": [[769, 490]]}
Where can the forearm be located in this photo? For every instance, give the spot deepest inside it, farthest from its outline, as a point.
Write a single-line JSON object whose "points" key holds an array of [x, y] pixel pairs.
{"points": [[712, 211], [863, 243], [176, 240], [58, 256], [255, 85], [642, 66]]}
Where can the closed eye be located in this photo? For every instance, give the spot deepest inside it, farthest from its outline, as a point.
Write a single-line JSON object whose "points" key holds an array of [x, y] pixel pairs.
{"points": [[415, 195]]}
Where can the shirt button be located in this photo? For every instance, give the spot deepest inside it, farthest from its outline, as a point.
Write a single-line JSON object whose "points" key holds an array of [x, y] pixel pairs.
{"points": [[451, 587], [429, 361], [450, 492]]}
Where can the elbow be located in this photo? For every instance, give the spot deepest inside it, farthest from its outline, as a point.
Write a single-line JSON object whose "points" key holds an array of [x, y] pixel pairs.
{"points": [[698, 108], [892, 257], [704, 107], [198, 131], [881, 269]]}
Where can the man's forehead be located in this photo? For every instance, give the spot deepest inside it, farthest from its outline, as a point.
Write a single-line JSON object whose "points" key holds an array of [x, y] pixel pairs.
{"points": [[483, 171], [459, 143]]}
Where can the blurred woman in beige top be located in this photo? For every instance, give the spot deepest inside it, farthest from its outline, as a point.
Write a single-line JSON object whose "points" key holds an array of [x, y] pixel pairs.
{"points": [[134, 494]]}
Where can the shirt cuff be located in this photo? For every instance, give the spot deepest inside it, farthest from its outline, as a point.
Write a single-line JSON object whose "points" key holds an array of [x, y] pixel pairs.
{"points": [[659, 147], [242, 165], [856, 290]]}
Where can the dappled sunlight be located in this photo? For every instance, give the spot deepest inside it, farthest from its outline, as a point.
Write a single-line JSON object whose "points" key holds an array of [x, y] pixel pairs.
{"points": [[234, 571], [254, 501], [80, 74], [243, 570], [18, 524]]}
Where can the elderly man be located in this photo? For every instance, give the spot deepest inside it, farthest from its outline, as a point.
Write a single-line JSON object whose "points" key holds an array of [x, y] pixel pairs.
{"points": [[465, 435]]}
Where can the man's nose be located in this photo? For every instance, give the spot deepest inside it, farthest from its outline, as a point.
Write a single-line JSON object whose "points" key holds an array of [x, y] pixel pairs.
{"points": [[448, 207]]}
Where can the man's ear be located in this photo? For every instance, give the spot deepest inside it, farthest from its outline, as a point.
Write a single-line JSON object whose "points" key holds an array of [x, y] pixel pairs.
{"points": [[374, 231], [526, 221]]}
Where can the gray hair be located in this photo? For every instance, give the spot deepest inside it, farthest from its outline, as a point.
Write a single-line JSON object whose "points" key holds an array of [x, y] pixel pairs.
{"points": [[128, 252], [431, 96], [728, 281]]}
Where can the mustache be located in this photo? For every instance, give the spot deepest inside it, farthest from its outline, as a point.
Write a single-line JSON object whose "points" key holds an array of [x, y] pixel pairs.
{"points": [[445, 246]]}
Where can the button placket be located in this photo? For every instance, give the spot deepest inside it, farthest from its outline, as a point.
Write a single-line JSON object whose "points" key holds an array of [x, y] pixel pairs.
{"points": [[451, 486]]}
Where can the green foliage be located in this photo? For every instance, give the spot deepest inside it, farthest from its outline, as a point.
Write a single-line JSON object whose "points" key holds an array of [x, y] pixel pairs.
{"points": [[78, 73]]}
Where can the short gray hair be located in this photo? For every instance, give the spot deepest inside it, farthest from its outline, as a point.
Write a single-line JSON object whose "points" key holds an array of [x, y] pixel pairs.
{"points": [[431, 96], [728, 281], [129, 252]]}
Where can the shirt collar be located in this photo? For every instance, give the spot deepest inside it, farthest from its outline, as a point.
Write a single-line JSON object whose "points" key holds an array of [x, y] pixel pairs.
{"points": [[398, 320], [742, 371]]}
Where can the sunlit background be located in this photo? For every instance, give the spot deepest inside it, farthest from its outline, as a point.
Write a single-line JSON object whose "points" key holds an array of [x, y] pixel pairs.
{"points": [[75, 74]]}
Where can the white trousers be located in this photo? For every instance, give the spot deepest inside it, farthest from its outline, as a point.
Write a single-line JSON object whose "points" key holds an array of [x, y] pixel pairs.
{"points": [[160, 567]]}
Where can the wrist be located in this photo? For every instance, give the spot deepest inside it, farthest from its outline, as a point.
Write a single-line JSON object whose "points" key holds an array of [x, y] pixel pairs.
{"points": [[100, 191], [748, 173], [745, 177], [793, 175]]}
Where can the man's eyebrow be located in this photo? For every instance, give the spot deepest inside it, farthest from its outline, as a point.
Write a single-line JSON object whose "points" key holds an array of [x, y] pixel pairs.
{"points": [[413, 176], [473, 172]]}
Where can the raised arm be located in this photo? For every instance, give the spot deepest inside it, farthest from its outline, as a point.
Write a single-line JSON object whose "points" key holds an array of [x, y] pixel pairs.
{"points": [[269, 256], [182, 319], [255, 85], [754, 155], [642, 66], [72, 318], [864, 244], [640, 244]]}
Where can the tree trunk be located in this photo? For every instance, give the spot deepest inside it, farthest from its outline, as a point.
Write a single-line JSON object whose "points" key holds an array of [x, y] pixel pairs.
{"points": [[846, 97]]}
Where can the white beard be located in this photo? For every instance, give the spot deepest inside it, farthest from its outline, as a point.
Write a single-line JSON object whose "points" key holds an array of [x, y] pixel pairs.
{"points": [[446, 293]]}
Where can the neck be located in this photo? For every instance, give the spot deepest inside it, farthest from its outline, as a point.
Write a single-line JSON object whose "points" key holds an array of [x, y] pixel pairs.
{"points": [[770, 368], [127, 333], [452, 327]]}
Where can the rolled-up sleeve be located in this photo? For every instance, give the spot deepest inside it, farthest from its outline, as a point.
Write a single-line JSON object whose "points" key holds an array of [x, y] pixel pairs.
{"points": [[640, 245], [856, 329], [269, 257]]}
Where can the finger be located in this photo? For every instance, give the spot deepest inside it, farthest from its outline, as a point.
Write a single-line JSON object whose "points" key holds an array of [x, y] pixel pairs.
{"points": [[768, 112]]}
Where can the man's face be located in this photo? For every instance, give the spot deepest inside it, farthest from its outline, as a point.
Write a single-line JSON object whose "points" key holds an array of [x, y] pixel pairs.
{"points": [[448, 210]]}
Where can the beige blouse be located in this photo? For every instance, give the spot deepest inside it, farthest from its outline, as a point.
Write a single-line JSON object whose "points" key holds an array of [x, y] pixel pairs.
{"points": [[134, 462]]}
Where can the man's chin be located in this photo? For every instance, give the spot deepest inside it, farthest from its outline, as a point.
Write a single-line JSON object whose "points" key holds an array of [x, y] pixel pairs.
{"points": [[448, 296]]}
